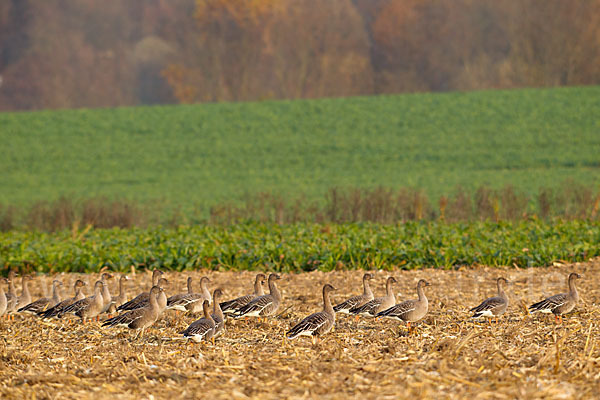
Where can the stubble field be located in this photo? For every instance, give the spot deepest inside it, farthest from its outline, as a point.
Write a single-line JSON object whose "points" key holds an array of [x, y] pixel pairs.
{"points": [[449, 357]]}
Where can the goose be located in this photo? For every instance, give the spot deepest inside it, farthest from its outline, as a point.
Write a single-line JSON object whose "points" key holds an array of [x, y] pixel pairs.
{"points": [[11, 296], [25, 297], [89, 307], [217, 314], [44, 303], [232, 306], [372, 307], [316, 324], [141, 298], [121, 298], [140, 318], [58, 308], [559, 304], [190, 301], [357, 301], [204, 328], [265, 305], [3, 301], [409, 310], [106, 296], [493, 306]]}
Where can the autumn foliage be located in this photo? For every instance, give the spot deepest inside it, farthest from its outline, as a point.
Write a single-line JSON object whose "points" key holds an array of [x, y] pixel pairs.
{"points": [[109, 52]]}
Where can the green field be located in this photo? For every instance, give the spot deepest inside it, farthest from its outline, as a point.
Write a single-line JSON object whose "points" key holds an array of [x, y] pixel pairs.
{"points": [[198, 155], [304, 247]]}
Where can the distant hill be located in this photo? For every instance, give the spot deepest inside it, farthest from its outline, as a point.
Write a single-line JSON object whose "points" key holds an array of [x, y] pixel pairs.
{"points": [[199, 155]]}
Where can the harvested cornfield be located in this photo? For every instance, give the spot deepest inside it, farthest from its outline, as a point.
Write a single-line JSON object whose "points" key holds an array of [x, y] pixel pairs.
{"points": [[449, 356]]}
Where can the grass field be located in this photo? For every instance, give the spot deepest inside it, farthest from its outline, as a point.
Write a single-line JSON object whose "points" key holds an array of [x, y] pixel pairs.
{"points": [[449, 358], [199, 155]]}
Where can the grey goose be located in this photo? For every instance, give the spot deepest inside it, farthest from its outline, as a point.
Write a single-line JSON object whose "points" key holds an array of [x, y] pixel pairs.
{"points": [[141, 299], [58, 308], [316, 324], [44, 303], [265, 305], [357, 301], [87, 308], [139, 318], [232, 306], [202, 329], [371, 308], [190, 301], [493, 306], [559, 304], [409, 310]]}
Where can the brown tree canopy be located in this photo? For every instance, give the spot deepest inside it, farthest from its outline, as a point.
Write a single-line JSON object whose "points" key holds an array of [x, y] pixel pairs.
{"points": [[98, 53]]}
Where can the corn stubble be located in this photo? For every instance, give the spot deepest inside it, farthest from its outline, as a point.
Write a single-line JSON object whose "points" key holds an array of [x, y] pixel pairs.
{"points": [[449, 355]]}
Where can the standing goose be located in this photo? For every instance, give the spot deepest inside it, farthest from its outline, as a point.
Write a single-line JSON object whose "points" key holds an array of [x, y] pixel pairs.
{"points": [[11, 296], [25, 297], [559, 304], [265, 305], [3, 301], [493, 306], [316, 324], [409, 310], [357, 301], [217, 314], [58, 308], [371, 308], [106, 296], [44, 303], [204, 328], [140, 318], [141, 298], [89, 307], [190, 301], [232, 306], [121, 298]]}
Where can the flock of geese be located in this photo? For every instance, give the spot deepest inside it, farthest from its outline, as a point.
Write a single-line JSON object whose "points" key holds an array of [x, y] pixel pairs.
{"points": [[146, 308]]}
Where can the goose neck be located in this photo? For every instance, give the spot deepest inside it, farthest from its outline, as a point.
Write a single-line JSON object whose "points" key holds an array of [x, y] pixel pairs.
{"points": [[327, 307], [273, 290], [367, 288], [573, 289], [258, 289], [421, 293]]}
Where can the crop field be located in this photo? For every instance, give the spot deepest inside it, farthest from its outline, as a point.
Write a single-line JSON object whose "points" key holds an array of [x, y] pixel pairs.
{"points": [[449, 356], [199, 155], [304, 247]]}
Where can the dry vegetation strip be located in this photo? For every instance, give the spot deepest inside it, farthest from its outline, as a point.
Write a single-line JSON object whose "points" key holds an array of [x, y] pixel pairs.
{"points": [[521, 357]]}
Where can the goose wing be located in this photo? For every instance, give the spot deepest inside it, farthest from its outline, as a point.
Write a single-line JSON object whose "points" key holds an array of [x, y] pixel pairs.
{"points": [[352, 302], [489, 305], [257, 306], [229, 307], [57, 309], [310, 325], [369, 308], [77, 307], [200, 328], [125, 319], [399, 309], [36, 306], [551, 303], [139, 301], [180, 301]]}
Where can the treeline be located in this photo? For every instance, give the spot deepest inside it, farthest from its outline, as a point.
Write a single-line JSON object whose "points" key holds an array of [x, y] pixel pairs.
{"points": [[93, 53], [379, 205]]}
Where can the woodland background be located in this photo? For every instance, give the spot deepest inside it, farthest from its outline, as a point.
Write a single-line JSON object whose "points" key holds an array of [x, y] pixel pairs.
{"points": [[105, 53]]}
